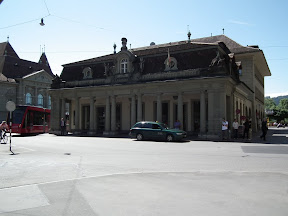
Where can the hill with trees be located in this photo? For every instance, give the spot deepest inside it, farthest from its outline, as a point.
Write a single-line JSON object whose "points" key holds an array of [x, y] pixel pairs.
{"points": [[277, 99]]}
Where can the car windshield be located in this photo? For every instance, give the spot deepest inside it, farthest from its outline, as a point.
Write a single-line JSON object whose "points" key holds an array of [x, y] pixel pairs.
{"points": [[164, 126]]}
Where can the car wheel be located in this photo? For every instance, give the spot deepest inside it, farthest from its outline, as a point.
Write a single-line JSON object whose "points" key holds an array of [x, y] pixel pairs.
{"points": [[169, 138], [139, 137]]}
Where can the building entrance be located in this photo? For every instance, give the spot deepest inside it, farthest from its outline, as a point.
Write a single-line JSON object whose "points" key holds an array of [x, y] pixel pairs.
{"points": [[100, 119], [85, 123]]}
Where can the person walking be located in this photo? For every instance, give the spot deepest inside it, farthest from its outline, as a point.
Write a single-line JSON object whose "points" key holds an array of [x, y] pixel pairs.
{"points": [[264, 129], [246, 129], [177, 125], [224, 129], [235, 127], [63, 126]]}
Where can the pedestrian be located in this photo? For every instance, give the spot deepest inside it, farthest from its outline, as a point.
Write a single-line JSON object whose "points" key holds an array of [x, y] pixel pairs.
{"points": [[177, 124], [63, 126], [224, 129], [264, 129], [246, 129], [235, 127], [3, 127]]}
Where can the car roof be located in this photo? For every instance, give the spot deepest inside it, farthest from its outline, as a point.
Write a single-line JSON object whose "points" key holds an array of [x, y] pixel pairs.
{"points": [[148, 122]]}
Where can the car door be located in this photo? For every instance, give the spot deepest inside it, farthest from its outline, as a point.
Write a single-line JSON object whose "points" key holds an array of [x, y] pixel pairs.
{"points": [[157, 132], [146, 130]]}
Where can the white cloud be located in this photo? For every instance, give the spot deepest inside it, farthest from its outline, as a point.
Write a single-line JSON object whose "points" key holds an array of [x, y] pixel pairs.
{"points": [[238, 22], [276, 94]]}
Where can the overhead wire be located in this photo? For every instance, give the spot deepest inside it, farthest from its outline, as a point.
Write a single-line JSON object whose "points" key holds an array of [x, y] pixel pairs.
{"points": [[23, 22], [47, 7]]}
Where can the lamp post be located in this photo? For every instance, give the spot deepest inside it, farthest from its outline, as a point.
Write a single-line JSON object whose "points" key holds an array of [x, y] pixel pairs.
{"points": [[10, 106]]}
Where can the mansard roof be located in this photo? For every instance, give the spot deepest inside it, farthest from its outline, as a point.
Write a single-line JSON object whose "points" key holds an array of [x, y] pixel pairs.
{"points": [[233, 46], [179, 46], [150, 60], [238, 49]]}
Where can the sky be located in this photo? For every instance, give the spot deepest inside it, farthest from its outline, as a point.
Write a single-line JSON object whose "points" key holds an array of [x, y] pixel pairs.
{"points": [[78, 30]]}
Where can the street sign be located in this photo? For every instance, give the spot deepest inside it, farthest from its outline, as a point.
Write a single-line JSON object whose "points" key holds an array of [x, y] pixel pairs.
{"points": [[10, 106]]}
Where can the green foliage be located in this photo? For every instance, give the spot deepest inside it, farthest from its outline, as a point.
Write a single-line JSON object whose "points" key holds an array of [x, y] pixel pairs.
{"points": [[280, 111], [283, 104], [269, 104]]}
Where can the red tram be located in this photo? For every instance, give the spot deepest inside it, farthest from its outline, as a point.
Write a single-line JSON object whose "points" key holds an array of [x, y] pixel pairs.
{"points": [[30, 120]]}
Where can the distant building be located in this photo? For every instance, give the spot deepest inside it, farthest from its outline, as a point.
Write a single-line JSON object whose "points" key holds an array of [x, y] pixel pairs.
{"points": [[197, 82], [23, 82]]}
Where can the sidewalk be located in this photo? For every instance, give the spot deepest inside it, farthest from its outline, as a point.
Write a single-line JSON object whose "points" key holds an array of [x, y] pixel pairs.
{"points": [[274, 136]]}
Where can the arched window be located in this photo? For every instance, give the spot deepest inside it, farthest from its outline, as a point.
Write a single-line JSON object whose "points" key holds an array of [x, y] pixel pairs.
{"points": [[28, 99], [40, 100], [124, 66]]}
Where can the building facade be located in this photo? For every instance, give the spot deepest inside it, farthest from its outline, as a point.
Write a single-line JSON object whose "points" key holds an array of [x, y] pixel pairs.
{"points": [[23, 82], [197, 82]]}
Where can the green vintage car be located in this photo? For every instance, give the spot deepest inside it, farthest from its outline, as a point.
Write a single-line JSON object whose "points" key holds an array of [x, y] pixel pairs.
{"points": [[149, 130]]}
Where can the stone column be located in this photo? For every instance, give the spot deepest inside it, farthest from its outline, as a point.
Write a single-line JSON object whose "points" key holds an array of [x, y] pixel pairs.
{"points": [[58, 108], [223, 104], [77, 113], [139, 107], [192, 116], [55, 114], [202, 113], [171, 114], [211, 116], [180, 109], [113, 113], [62, 114], [107, 114], [189, 115], [35, 100], [159, 108], [133, 110], [92, 114], [46, 100], [21, 94]]}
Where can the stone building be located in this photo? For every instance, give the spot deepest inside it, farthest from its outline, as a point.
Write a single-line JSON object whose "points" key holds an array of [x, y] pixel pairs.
{"points": [[197, 82], [23, 82]]}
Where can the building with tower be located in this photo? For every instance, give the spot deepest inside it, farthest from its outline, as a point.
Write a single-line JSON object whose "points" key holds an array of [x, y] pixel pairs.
{"points": [[23, 82], [196, 81]]}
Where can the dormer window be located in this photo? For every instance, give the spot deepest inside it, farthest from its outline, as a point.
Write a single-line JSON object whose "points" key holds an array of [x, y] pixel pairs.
{"points": [[124, 66], [87, 73], [170, 64]]}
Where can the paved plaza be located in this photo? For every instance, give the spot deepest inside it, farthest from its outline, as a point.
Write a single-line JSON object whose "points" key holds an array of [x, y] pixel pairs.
{"points": [[69, 175]]}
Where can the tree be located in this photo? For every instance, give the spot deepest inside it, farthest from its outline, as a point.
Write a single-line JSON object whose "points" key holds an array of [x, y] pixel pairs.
{"points": [[283, 104], [269, 104], [280, 112]]}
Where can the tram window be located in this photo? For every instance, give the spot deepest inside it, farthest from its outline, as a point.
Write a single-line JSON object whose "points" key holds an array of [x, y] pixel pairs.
{"points": [[38, 118]]}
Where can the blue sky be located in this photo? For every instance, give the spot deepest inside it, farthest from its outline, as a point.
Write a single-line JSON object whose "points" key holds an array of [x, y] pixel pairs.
{"points": [[77, 30]]}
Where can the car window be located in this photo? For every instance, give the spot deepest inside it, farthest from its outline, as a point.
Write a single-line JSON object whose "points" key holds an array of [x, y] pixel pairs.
{"points": [[155, 126], [164, 126], [147, 125], [138, 125]]}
